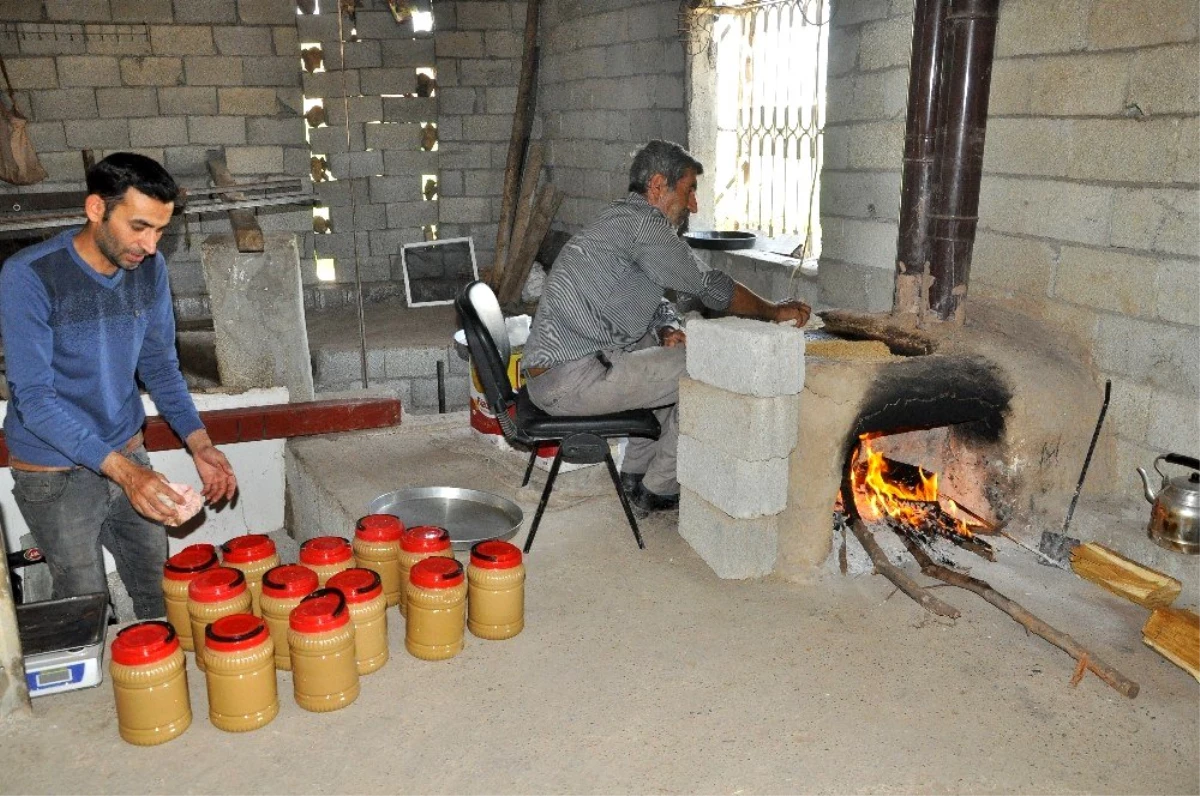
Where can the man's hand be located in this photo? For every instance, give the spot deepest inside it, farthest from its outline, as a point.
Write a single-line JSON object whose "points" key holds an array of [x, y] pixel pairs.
{"points": [[796, 311], [216, 474], [147, 490], [670, 337]]}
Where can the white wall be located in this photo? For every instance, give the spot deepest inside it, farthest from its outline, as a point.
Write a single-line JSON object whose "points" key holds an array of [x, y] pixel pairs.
{"points": [[258, 507]]}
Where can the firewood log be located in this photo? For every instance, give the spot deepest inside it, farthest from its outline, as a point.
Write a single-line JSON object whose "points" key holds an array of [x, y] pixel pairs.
{"points": [[1174, 633], [1124, 578]]}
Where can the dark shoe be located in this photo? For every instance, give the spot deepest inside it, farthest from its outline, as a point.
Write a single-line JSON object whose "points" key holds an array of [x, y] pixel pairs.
{"points": [[648, 501], [630, 483]]}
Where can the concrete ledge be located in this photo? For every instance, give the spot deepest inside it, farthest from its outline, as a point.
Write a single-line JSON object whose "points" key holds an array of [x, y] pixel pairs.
{"points": [[746, 356], [742, 489], [735, 549], [744, 426]]}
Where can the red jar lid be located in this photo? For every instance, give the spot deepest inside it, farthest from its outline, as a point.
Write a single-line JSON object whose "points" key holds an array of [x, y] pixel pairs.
{"points": [[289, 580], [495, 554], [323, 550], [217, 584], [190, 562], [319, 612], [379, 528], [425, 539], [247, 549], [236, 632], [436, 573], [357, 585], [144, 642]]}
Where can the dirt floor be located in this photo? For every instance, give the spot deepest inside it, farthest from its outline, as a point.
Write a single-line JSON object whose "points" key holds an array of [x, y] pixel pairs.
{"points": [[641, 672]]}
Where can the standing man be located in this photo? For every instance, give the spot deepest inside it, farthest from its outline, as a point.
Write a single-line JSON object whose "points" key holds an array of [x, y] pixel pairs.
{"points": [[84, 315], [604, 338]]}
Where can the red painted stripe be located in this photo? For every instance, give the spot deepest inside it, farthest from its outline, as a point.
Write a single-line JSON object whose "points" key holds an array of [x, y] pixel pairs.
{"points": [[279, 421]]}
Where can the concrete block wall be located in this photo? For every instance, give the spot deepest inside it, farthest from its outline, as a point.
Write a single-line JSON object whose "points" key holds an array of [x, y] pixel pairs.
{"points": [[1088, 210], [737, 431], [171, 79], [611, 79]]}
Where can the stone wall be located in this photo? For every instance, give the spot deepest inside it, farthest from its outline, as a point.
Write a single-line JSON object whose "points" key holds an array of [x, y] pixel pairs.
{"points": [[1088, 212], [168, 78], [611, 78]]}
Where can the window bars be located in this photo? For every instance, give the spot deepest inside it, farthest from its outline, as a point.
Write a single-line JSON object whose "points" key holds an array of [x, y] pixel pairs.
{"points": [[770, 100]]}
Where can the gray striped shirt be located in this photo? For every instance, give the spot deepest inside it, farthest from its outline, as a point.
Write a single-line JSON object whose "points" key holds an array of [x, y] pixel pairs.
{"points": [[606, 288]]}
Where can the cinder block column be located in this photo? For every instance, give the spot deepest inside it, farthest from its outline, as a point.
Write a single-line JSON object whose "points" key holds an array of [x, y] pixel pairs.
{"points": [[258, 314], [738, 424]]}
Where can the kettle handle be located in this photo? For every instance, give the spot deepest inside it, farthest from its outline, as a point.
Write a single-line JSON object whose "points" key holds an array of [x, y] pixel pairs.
{"points": [[1176, 458]]}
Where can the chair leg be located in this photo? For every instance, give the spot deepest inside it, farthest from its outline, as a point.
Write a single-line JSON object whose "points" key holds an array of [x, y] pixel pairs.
{"points": [[616, 479], [529, 469], [537, 518]]}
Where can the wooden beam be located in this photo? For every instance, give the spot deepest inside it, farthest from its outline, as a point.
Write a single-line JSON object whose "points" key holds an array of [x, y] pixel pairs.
{"points": [[246, 232], [278, 421], [1175, 634], [1125, 578]]}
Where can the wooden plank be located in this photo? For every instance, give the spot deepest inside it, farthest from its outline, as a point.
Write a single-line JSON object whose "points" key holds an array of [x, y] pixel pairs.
{"points": [[246, 232], [1174, 633], [517, 271], [279, 421], [1123, 577]]}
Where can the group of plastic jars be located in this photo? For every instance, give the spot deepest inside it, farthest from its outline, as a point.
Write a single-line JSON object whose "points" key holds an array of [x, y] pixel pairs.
{"points": [[245, 616]]}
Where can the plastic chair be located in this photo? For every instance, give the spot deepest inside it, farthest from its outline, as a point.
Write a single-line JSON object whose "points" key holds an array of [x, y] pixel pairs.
{"points": [[580, 439]]}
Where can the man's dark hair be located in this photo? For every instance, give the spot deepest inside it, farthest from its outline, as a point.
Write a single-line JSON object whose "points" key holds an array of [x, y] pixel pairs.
{"points": [[120, 171], [661, 157]]}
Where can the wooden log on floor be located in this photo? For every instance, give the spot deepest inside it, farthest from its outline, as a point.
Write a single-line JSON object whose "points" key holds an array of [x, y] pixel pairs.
{"points": [[247, 234], [1125, 578], [549, 198], [1033, 624], [897, 576], [1174, 633]]}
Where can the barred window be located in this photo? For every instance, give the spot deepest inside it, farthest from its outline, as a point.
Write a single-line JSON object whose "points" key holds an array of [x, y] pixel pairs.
{"points": [[769, 59]]}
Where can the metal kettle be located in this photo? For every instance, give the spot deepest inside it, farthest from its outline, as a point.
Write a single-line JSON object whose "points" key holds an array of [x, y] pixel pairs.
{"points": [[1175, 516]]}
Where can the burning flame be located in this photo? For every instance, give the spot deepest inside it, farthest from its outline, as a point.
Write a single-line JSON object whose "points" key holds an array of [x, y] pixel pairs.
{"points": [[878, 495]]}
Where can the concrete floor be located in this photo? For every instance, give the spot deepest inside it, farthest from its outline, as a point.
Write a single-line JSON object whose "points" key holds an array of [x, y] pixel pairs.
{"points": [[641, 672]]}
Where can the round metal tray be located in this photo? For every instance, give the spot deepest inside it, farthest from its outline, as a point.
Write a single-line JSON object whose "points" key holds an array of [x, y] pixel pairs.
{"points": [[469, 515], [721, 240]]}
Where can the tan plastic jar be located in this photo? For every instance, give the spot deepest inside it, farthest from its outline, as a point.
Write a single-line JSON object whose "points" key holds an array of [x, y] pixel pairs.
{"points": [[240, 673], [363, 591], [437, 609], [495, 590], [326, 556], [377, 547], [149, 683], [219, 592], [321, 638], [417, 544], [179, 571], [253, 554], [283, 589]]}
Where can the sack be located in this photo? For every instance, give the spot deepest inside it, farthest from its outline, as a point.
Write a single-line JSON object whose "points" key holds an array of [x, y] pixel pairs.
{"points": [[19, 162]]}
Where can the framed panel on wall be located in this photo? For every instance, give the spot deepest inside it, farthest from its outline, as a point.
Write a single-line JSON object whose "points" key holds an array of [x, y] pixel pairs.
{"points": [[435, 271]]}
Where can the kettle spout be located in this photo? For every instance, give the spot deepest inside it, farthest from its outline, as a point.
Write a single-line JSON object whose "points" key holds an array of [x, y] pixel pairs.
{"points": [[1150, 495]]}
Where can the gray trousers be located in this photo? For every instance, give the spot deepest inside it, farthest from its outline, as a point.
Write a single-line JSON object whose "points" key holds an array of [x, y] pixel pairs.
{"points": [[646, 378], [72, 513]]}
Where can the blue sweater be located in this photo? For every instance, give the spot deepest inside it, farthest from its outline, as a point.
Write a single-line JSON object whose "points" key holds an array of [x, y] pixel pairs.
{"points": [[73, 341]]}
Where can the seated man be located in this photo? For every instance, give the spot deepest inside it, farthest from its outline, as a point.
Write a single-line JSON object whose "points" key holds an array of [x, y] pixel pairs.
{"points": [[604, 338]]}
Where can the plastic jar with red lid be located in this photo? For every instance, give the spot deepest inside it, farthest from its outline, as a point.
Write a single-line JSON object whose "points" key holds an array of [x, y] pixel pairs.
{"points": [[282, 590], [437, 609], [219, 592], [178, 572], [240, 673], [416, 544], [363, 590], [326, 556], [495, 590], [253, 554], [321, 638], [149, 683], [377, 547]]}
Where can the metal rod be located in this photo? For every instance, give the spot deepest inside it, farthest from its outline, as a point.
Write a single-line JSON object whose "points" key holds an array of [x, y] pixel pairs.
{"points": [[1087, 460], [441, 387], [74, 217]]}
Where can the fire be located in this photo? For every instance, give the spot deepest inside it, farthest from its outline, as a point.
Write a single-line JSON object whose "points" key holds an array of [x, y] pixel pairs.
{"points": [[880, 495]]}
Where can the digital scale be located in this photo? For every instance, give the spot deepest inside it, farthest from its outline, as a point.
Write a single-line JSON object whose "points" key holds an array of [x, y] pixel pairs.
{"points": [[63, 643]]}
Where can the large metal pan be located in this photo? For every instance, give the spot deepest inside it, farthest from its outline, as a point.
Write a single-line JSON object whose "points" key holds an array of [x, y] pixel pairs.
{"points": [[469, 515]]}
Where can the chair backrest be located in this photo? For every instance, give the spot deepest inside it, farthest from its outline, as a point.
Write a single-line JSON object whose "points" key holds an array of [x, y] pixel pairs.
{"points": [[487, 340]]}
